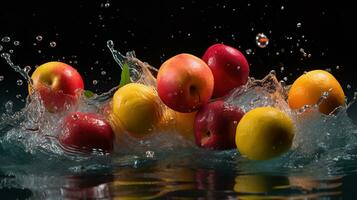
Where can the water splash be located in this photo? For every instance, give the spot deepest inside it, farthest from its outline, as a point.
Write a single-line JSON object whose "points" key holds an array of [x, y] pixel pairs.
{"points": [[30, 135]]}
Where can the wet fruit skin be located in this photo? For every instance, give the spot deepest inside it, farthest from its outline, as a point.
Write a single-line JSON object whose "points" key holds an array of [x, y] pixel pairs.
{"points": [[185, 83], [87, 131], [215, 125], [309, 87], [229, 67], [57, 84], [136, 109], [264, 133]]}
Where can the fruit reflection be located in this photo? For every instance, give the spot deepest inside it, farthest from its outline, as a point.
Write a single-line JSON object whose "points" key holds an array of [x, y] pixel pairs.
{"points": [[152, 183], [87, 187]]}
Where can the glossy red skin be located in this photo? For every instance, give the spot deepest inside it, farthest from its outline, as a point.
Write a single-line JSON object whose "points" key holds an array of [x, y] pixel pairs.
{"points": [[185, 83], [220, 121], [224, 61], [63, 92], [87, 131]]}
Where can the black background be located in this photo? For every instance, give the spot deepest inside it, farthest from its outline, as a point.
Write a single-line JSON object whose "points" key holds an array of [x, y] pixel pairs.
{"points": [[157, 30]]}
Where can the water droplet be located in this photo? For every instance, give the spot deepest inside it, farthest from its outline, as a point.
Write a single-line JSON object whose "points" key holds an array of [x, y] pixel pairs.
{"points": [[272, 72], [282, 8], [188, 34], [262, 40], [1, 48], [277, 53], [298, 25], [53, 44], [337, 67], [103, 73], [248, 51], [27, 69], [150, 154], [349, 86], [95, 82], [19, 82], [110, 44], [1, 78], [18, 96], [8, 106], [16, 43], [39, 51], [285, 78], [107, 5], [11, 51], [39, 38], [6, 39], [281, 69]]}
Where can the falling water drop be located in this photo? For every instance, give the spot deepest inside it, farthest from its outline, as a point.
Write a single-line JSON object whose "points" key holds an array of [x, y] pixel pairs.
{"points": [[95, 82], [262, 40], [53, 44], [107, 5], [19, 82], [298, 25], [6, 39], [248, 51], [282, 8], [39, 38], [103, 73]]}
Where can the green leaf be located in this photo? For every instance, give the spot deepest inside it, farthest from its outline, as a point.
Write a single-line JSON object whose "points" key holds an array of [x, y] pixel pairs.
{"points": [[88, 93], [125, 75]]}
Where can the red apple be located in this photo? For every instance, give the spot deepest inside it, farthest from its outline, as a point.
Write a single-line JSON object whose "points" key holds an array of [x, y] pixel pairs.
{"points": [[215, 125], [185, 83], [57, 84], [229, 67], [87, 131]]}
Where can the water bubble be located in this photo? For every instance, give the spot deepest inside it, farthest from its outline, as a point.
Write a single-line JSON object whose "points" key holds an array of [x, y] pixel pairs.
{"points": [[1, 48], [27, 69], [298, 25], [262, 40], [39, 38], [16, 43], [95, 82], [103, 73], [8, 106], [1, 78], [53, 44], [349, 86], [6, 39], [107, 5], [248, 51], [19, 82]]}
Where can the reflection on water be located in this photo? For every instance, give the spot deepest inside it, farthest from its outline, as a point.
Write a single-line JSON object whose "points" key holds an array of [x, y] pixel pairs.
{"points": [[164, 182]]}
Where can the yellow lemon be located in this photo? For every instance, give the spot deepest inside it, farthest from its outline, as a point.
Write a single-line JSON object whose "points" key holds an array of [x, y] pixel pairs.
{"points": [[136, 108], [264, 133], [308, 89]]}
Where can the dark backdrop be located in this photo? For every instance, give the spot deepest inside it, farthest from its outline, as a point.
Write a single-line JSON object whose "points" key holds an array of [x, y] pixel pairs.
{"points": [[157, 30]]}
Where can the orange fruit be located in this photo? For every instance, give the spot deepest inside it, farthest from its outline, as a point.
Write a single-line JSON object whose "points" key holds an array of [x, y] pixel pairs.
{"points": [[309, 87]]}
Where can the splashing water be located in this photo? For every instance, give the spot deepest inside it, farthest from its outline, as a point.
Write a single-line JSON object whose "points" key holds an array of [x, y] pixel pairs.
{"points": [[324, 145]]}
